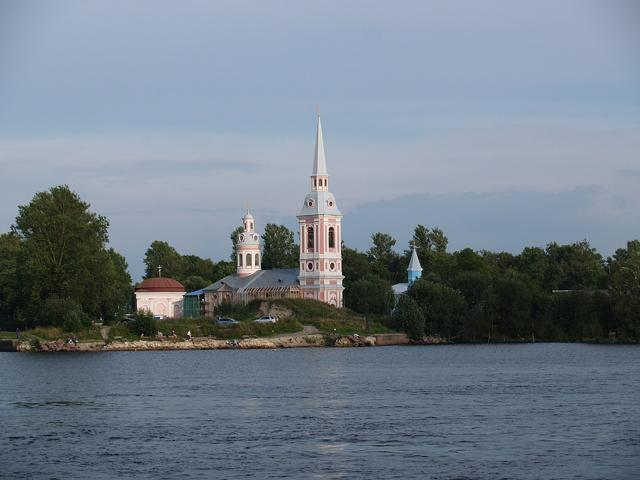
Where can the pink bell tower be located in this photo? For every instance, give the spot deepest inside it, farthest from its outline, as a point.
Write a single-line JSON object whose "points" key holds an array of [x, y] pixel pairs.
{"points": [[320, 224]]}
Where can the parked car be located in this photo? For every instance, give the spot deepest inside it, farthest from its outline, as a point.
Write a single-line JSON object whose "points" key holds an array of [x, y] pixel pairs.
{"points": [[222, 321], [266, 319]]}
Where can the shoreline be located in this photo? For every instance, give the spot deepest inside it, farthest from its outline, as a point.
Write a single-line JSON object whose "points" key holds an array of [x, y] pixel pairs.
{"points": [[315, 340]]}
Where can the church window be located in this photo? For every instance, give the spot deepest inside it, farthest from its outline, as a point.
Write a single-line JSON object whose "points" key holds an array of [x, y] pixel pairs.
{"points": [[310, 266], [310, 203], [242, 238], [257, 259], [248, 259], [325, 182], [332, 266], [251, 227], [315, 183], [240, 260], [310, 242], [332, 237]]}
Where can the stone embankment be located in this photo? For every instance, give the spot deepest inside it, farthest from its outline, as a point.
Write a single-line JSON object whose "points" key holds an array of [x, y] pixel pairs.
{"points": [[206, 343]]}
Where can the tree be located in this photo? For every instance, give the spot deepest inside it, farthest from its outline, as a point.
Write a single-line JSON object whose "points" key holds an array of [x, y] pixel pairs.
{"points": [[573, 267], [10, 248], [161, 254], [355, 265], [369, 295], [409, 318], [433, 240], [444, 308], [624, 286], [193, 265], [63, 257], [508, 305], [381, 254], [279, 250], [234, 243]]}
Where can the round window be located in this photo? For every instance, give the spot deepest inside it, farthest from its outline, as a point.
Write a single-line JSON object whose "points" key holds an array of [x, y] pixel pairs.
{"points": [[310, 203], [255, 237], [332, 266], [242, 238], [330, 203], [310, 266]]}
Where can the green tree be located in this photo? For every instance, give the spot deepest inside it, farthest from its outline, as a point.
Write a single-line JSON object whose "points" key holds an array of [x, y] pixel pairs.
{"points": [[355, 265], [161, 254], [433, 240], [234, 243], [193, 265], [382, 255], [444, 308], [624, 286], [279, 250], [63, 255], [508, 305], [408, 317], [222, 269], [10, 248], [371, 294], [573, 267]]}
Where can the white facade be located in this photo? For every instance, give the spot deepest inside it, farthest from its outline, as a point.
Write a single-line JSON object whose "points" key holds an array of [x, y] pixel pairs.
{"points": [[248, 258], [163, 304]]}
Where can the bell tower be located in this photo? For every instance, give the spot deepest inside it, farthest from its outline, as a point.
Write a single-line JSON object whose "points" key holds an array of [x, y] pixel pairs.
{"points": [[248, 247], [320, 224]]}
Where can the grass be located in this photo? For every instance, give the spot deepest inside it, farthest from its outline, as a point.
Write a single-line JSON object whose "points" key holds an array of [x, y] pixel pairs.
{"points": [[296, 313], [330, 319], [207, 327], [88, 334]]}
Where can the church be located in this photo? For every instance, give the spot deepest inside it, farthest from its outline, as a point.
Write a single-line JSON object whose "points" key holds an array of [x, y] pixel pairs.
{"points": [[319, 275]]}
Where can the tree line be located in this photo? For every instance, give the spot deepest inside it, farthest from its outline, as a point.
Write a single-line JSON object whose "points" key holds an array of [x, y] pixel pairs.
{"points": [[56, 269], [560, 292]]}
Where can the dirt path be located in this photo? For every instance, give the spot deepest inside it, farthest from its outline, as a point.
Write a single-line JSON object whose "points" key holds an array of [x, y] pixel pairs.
{"points": [[104, 332], [306, 330]]}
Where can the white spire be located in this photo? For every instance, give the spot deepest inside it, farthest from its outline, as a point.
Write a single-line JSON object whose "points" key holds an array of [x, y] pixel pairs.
{"points": [[319, 163], [414, 263]]}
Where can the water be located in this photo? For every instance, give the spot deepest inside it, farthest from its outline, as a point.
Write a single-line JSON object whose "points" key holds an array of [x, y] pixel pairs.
{"points": [[451, 412]]}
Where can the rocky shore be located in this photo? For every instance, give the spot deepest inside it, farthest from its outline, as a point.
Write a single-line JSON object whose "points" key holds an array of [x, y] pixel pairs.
{"points": [[206, 343]]}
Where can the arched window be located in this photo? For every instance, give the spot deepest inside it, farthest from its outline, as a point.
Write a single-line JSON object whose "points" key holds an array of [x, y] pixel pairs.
{"points": [[325, 182], [310, 242], [248, 259], [332, 238], [239, 259], [257, 259]]}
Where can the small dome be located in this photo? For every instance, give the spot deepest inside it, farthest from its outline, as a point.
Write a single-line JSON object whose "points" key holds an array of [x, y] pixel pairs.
{"points": [[160, 284]]}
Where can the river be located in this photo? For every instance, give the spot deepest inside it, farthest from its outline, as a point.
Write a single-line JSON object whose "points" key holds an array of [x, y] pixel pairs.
{"points": [[562, 411]]}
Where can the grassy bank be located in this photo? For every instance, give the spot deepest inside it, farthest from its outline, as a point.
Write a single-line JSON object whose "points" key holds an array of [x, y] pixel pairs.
{"points": [[292, 313]]}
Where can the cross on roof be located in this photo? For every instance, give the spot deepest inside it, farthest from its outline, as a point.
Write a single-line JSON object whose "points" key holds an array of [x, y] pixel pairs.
{"points": [[159, 271]]}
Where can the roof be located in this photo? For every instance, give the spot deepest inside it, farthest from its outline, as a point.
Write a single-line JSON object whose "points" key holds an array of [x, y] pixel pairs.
{"points": [[195, 293], [277, 278], [414, 263], [160, 284], [319, 162], [323, 203], [400, 288]]}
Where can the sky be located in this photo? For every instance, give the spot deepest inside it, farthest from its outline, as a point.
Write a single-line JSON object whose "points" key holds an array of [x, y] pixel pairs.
{"points": [[504, 123]]}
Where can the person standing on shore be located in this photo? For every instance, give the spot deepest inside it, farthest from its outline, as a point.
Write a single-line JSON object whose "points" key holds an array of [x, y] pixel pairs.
{"points": [[18, 333], [189, 335]]}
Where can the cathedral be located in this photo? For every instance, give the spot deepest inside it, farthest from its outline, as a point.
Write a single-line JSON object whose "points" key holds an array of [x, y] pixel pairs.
{"points": [[319, 275]]}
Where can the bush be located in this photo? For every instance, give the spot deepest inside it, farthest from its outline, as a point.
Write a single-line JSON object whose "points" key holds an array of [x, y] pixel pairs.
{"points": [[408, 317], [143, 323]]}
